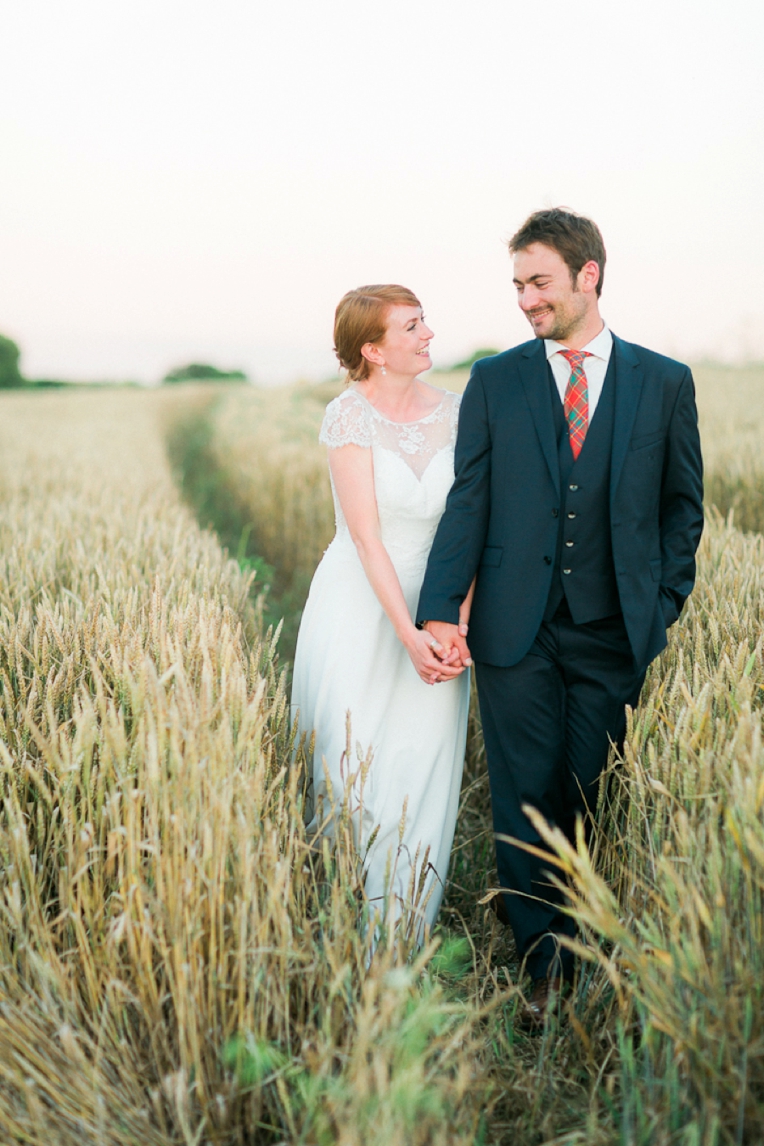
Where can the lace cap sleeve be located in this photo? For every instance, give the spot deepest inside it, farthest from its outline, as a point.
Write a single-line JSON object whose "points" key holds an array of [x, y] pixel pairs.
{"points": [[345, 423]]}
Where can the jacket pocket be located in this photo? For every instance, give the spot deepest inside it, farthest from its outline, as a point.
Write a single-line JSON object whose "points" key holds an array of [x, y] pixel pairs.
{"points": [[492, 555], [656, 569], [642, 441]]}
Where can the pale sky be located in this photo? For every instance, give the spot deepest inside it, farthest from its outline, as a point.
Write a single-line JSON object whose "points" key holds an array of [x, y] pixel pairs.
{"points": [[195, 180]]}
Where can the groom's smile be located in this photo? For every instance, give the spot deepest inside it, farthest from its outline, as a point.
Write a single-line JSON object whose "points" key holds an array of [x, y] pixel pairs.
{"points": [[537, 316]]}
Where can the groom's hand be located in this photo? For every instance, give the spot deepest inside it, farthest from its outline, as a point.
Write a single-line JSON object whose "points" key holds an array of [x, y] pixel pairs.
{"points": [[452, 643]]}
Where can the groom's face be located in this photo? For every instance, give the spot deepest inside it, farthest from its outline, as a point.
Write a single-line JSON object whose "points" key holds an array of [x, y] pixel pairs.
{"points": [[548, 297]]}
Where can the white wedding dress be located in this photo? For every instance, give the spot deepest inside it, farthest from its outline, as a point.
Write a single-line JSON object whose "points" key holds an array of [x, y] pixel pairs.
{"points": [[349, 659]]}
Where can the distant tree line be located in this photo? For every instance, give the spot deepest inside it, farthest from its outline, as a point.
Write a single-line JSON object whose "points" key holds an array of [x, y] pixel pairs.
{"points": [[10, 375], [203, 372], [468, 363]]}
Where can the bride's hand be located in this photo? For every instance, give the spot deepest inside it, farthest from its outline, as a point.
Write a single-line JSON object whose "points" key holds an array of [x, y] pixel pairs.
{"points": [[425, 651], [451, 643]]}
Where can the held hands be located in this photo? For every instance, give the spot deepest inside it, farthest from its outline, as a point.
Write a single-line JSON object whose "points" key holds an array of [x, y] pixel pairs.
{"points": [[432, 660], [451, 644], [439, 651]]}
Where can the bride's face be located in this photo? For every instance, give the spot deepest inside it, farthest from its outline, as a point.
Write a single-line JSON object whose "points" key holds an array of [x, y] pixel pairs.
{"points": [[405, 349]]}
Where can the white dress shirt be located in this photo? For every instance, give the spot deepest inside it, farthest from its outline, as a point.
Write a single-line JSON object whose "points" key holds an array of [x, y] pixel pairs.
{"points": [[595, 368]]}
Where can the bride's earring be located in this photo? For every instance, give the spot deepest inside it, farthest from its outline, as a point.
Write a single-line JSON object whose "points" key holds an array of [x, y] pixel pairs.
{"points": [[383, 370]]}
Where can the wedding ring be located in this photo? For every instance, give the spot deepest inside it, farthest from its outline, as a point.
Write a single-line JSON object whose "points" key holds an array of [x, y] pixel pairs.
{"points": [[433, 643]]}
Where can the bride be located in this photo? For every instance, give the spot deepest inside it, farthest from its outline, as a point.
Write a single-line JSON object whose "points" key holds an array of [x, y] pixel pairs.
{"points": [[390, 438]]}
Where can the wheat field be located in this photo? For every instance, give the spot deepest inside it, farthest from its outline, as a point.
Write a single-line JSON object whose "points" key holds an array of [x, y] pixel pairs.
{"points": [[180, 964]]}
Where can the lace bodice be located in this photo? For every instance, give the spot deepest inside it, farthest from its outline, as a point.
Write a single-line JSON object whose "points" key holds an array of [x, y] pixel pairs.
{"points": [[352, 420], [413, 467]]}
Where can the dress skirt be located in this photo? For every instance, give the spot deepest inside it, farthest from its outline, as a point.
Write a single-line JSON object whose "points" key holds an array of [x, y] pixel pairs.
{"points": [[349, 661]]}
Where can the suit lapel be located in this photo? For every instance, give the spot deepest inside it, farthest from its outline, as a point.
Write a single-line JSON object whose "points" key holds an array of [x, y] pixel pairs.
{"points": [[628, 388], [533, 374]]}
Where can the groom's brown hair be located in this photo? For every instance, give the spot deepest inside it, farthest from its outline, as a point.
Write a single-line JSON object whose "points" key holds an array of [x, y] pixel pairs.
{"points": [[576, 239]]}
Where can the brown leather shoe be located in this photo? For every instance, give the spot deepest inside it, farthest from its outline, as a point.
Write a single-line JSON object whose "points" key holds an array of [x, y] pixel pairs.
{"points": [[544, 997]]}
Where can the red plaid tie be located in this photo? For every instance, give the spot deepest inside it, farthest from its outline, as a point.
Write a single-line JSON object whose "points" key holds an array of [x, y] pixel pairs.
{"points": [[576, 401]]}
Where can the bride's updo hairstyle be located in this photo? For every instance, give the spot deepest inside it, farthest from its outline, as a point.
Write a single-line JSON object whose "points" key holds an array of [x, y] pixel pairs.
{"points": [[361, 317]]}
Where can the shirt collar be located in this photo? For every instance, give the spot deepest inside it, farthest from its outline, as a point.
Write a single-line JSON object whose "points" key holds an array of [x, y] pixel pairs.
{"points": [[600, 346]]}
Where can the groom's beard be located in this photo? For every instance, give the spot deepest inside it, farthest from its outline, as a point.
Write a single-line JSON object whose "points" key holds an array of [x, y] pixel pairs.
{"points": [[565, 321]]}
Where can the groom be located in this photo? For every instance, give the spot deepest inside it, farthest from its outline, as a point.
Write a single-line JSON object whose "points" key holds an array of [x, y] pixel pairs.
{"points": [[577, 505]]}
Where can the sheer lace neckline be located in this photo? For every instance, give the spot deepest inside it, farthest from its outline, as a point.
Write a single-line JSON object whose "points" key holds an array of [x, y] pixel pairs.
{"points": [[351, 419], [392, 421]]}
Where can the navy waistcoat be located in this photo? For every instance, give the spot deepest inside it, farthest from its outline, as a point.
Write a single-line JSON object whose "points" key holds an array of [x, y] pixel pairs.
{"points": [[584, 574]]}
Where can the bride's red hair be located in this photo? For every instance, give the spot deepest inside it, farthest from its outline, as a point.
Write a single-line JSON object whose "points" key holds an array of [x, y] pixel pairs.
{"points": [[361, 317]]}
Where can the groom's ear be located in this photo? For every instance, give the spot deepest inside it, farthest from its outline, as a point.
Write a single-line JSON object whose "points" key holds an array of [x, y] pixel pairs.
{"points": [[588, 277]]}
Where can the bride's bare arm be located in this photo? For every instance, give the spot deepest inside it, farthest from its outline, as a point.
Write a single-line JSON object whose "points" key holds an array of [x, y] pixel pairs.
{"points": [[353, 477]]}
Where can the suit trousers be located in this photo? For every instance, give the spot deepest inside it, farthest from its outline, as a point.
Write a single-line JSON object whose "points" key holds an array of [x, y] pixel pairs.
{"points": [[547, 723]]}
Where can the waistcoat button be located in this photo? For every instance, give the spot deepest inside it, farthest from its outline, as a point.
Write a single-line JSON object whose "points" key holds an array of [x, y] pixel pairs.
{"points": [[573, 487], [566, 571], [569, 544], [571, 516]]}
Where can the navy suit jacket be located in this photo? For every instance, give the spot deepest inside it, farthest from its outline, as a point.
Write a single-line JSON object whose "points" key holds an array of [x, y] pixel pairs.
{"points": [[502, 515]]}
